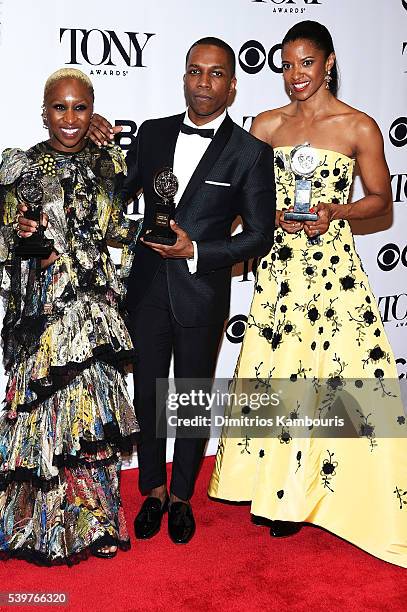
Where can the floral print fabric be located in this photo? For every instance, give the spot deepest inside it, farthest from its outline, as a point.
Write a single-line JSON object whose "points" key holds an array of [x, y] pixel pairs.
{"points": [[67, 413], [314, 320]]}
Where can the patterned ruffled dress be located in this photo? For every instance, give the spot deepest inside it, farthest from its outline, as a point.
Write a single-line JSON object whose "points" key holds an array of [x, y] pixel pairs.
{"points": [[314, 327], [67, 412]]}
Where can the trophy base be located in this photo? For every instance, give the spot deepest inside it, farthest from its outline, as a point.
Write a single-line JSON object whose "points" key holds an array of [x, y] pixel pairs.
{"points": [[157, 239], [28, 250], [300, 216]]}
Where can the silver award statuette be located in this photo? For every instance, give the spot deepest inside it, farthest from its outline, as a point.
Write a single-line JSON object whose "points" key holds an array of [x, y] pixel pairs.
{"points": [[165, 185], [29, 191], [304, 160]]}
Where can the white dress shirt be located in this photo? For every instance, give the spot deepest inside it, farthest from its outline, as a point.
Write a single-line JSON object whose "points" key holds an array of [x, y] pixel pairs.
{"points": [[189, 150]]}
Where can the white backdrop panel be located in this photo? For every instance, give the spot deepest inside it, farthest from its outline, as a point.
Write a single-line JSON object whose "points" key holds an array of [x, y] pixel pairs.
{"points": [[134, 51]]}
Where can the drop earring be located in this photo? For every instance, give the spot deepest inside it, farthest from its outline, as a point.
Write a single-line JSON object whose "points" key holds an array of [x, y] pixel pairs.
{"points": [[44, 118], [290, 93], [328, 79]]}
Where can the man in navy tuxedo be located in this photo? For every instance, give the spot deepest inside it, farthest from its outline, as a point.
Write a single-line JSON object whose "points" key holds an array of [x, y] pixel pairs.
{"points": [[178, 296]]}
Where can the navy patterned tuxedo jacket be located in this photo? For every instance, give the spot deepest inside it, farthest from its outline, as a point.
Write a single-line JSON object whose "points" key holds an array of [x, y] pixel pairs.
{"points": [[206, 211]]}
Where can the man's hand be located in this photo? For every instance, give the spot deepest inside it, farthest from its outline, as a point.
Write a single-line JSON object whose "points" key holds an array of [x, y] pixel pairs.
{"points": [[101, 131], [182, 249], [321, 225]]}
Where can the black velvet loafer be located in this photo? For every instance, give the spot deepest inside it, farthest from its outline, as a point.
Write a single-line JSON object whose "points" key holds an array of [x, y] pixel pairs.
{"points": [[181, 522], [148, 521], [284, 529]]}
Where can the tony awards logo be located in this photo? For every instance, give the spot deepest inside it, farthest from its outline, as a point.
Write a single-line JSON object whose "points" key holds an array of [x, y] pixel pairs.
{"points": [[166, 186]]}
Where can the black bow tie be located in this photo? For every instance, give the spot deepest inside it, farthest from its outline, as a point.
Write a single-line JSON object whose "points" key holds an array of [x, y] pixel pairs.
{"points": [[187, 129]]}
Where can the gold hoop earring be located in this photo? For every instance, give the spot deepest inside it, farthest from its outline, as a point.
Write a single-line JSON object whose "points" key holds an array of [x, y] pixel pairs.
{"points": [[328, 79]]}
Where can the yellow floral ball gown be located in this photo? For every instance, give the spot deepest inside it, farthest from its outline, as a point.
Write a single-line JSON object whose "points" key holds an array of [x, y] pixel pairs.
{"points": [[314, 318]]}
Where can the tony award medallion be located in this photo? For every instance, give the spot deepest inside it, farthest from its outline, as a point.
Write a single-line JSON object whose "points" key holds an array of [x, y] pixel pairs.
{"points": [[166, 186], [29, 191], [304, 161]]}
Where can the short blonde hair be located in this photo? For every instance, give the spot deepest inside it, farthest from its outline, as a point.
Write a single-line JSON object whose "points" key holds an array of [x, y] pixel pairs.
{"points": [[67, 73]]}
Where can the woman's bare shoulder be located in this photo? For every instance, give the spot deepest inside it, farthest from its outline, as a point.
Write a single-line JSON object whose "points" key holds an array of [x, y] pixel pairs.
{"points": [[267, 122], [357, 118]]}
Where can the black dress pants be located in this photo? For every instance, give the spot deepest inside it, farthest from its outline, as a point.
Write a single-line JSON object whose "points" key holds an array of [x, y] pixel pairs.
{"points": [[157, 336]]}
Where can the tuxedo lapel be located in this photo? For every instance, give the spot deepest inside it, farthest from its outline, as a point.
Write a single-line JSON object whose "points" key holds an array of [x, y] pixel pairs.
{"points": [[208, 160], [164, 152]]}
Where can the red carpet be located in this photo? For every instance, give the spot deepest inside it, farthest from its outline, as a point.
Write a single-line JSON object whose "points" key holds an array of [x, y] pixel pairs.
{"points": [[230, 564]]}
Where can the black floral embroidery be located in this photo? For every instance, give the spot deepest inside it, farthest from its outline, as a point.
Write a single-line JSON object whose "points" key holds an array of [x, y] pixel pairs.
{"points": [[280, 494], [342, 183], [276, 340], [309, 270], [285, 436], [298, 457], [261, 453], [375, 355], [328, 471], [347, 282], [267, 332], [313, 314], [334, 262], [400, 494], [279, 162], [264, 383], [364, 318], [300, 373], [285, 253], [379, 375], [245, 443], [334, 384], [367, 429], [284, 289], [401, 420], [332, 316]]}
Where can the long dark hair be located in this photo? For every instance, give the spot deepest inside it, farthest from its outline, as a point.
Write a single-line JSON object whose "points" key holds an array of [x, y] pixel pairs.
{"points": [[320, 36]]}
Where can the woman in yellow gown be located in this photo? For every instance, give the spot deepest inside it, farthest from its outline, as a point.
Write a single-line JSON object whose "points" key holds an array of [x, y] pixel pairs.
{"points": [[314, 319]]}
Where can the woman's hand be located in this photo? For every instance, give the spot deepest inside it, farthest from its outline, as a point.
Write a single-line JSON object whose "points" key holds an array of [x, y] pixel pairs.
{"points": [[321, 225], [291, 227], [100, 131], [27, 227], [50, 260]]}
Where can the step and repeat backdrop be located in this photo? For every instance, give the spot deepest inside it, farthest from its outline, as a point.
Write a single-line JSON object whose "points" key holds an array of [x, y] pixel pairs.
{"points": [[134, 52]]}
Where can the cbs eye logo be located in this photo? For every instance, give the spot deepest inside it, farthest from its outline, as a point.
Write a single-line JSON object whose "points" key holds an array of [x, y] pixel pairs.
{"points": [[398, 131], [389, 256], [401, 366], [236, 328], [252, 57]]}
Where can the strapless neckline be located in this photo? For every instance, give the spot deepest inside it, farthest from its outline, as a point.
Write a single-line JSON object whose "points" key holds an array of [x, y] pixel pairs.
{"points": [[317, 149]]}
